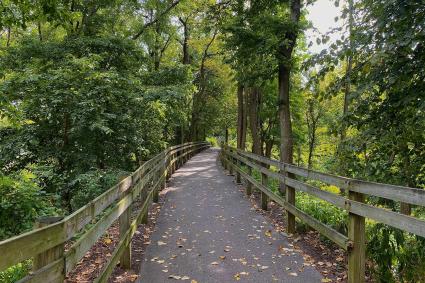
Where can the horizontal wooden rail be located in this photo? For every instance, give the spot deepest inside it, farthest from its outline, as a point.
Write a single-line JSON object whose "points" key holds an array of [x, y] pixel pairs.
{"points": [[104, 210], [413, 196], [233, 159]]}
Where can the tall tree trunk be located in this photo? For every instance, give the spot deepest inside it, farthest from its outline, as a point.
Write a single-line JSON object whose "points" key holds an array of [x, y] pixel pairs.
{"points": [[226, 136], [254, 121], [8, 37], [268, 148], [198, 97], [312, 122], [185, 44], [405, 208], [194, 124], [348, 70], [284, 72], [241, 130], [40, 34], [185, 61], [286, 140]]}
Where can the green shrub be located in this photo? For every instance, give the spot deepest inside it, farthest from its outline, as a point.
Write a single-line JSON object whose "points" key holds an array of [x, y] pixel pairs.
{"points": [[397, 256], [322, 211], [16, 272], [87, 186], [21, 198], [213, 141]]}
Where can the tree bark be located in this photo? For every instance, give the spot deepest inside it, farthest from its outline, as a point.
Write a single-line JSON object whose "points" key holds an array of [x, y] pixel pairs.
{"points": [[241, 130], [254, 121], [185, 44], [284, 72], [198, 97], [8, 37], [286, 139], [312, 122], [40, 34]]}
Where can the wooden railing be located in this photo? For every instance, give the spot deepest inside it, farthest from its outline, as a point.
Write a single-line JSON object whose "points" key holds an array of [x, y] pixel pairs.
{"points": [[46, 244], [291, 177]]}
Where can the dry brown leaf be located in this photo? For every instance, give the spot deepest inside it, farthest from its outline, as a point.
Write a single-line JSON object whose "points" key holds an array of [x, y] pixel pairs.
{"points": [[268, 233]]}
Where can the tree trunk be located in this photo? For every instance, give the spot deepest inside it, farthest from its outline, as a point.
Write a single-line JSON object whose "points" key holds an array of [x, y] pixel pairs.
{"points": [[254, 121], [286, 139], [405, 208], [8, 37], [40, 34], [185, 45], [241, 130], [269, 147], [226, 136], [347, 90], [312, 121], [284, 72], [197, 98]]}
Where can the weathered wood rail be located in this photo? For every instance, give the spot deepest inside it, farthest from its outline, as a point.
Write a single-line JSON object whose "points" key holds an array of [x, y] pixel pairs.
{"points": [[354, 243], [46, 243]]}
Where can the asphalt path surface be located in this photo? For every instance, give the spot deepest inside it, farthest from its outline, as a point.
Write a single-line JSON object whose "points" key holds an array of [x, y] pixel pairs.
{"points": [[208, 231]]}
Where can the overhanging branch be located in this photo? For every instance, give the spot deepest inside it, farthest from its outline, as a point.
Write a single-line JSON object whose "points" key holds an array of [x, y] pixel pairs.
{"points": [[163, 13]]}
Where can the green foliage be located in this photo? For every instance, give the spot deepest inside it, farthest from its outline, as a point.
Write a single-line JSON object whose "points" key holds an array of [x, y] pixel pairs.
{"points": [[87, 186], [15, 273], [21, 203], [398, 257], [322, 211]]}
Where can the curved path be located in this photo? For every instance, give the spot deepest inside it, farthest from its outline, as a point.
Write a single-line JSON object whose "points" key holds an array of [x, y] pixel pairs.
{"points": [[208, 232]]}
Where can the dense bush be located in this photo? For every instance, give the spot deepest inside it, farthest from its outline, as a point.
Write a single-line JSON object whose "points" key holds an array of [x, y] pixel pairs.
{"points": [[21, 202], [87, 186], [16, 272]]}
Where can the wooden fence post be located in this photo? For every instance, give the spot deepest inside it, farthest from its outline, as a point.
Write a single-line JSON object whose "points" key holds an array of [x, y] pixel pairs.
{"points": [[238, 175], [168, 165], [290, 198], [124, 222], [264, 197], [357, 235], [248, 183], [230, 164], [164, 172], [224, 153], [157, 183], [50, 255]]}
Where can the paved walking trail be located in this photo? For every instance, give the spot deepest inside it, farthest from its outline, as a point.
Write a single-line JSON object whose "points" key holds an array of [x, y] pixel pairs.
{"points": [[207, 231]]}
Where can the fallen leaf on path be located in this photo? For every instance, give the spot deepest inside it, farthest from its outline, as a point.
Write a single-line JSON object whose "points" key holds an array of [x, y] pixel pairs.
{"points": [[161, 243], [293, 274]]}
